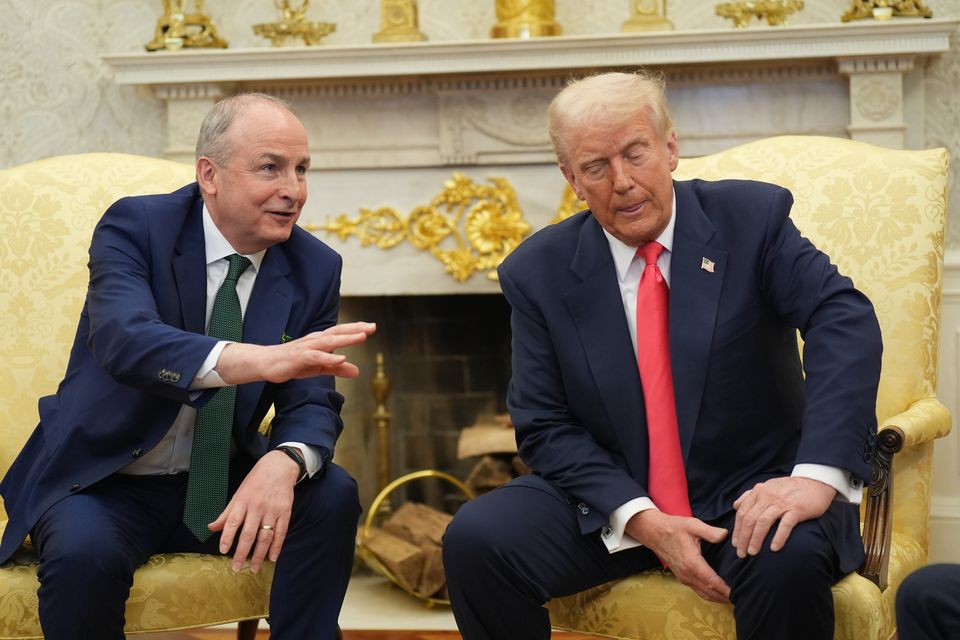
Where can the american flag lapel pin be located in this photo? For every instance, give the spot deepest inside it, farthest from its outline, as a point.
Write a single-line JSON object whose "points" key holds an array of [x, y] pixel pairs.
{"points": [[707, 265]]}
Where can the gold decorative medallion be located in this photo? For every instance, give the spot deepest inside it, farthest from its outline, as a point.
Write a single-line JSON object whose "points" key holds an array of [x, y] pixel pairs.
{"points": [[468, 227], [177, 29], [294, 24], [525, 19], [775, 12]]}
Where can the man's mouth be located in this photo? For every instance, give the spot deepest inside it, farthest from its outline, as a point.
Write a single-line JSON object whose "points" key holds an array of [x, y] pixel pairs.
{"points": [[632, 208]]}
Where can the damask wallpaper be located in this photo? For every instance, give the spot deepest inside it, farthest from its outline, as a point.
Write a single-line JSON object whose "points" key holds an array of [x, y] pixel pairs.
{"points": [[57, 97]]}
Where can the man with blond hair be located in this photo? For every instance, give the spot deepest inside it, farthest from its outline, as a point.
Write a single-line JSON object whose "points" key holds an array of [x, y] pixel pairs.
{"points": [[659, 397], [205, 307]]}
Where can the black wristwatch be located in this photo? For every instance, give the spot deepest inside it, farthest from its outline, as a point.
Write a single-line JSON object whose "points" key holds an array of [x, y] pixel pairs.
{"points": [[297, 457]]}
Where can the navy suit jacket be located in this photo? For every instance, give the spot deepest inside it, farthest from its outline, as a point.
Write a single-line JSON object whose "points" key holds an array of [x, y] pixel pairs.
{"points": [[140, 342], [746, 412]]}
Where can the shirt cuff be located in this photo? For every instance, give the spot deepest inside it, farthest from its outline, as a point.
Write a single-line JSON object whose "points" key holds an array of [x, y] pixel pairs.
{"points": [[311, 456], [849, 489], [613, 535], [207, 377]]}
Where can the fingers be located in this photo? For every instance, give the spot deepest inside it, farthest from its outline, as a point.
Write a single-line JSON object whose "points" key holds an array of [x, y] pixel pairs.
{"points": [[700, 576], [785, 528], [367, 328]]}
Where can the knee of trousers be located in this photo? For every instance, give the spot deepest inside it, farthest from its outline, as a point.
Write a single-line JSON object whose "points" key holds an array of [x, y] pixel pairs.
{"points": [[925, 591], [795, 568], [332, 498], [476, 541], [87, 566]]}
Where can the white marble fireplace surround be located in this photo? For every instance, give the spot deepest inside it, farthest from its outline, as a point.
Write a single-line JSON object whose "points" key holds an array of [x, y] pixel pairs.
{"points": [[389, 123]]}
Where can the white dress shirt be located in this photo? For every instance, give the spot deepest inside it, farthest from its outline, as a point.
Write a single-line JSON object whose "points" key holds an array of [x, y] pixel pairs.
{"points": [[172, 453], [629, 268]]}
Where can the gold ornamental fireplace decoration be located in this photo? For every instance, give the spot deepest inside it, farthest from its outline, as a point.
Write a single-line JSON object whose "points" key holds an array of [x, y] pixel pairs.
{"points": [[775, 12], [526, 19], [885, 9], [179, 28], [647, 15], [293, 24], [398, 22], [468, 227], [569, 205]]}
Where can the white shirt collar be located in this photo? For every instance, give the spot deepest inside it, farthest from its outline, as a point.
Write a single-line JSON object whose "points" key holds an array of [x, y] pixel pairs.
{"points": [[623, 254], [217, 247]]}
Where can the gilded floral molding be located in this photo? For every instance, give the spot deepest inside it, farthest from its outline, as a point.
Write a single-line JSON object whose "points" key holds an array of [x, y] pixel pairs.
{"points": [[468, 227]]}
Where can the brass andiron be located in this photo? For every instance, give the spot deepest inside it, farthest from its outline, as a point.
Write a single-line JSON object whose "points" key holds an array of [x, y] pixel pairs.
{"points": [[526, 19], [883, 9], [381, 419], [647, 15], [294, 24], [398, 22], [177, 29], [775, 12]]}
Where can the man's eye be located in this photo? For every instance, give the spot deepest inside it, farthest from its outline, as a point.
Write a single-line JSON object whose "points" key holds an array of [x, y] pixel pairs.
{"points": [[270, 168], [301, 171]]}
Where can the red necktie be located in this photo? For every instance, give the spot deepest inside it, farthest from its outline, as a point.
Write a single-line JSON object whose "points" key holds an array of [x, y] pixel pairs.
{"points": [[667, 482]]}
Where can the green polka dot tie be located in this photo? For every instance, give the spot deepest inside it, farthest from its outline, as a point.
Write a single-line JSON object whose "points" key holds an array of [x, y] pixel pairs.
{"points": [[210, 457]]}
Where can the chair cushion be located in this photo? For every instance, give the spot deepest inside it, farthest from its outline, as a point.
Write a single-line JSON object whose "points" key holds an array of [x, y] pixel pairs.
{"points": [[171, 591], [654, 606]]}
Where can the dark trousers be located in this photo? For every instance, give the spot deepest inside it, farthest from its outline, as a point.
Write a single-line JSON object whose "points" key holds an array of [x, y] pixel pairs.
{"points": [[90, 543], [928, 604], [509, 551]]}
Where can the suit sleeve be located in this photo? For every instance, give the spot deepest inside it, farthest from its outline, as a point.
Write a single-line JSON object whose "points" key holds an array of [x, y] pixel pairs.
{"points": [[842, 345], [127, 336], [308, 410], [551, 440]]}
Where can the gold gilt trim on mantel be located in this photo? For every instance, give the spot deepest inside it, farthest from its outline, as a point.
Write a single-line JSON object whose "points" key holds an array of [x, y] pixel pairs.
{"points": [[468, 227]]}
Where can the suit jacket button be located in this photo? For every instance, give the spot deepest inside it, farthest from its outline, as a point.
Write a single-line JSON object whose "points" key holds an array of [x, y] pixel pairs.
{"points": [[584, 509], [137, 452], [75, 487]]}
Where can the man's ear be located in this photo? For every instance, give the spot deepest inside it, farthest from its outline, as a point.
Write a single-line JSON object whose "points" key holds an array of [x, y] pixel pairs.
{"points": [[206, 174]]}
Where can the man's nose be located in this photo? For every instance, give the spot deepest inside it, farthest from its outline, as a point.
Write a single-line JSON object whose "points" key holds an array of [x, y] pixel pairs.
{"points": [[622, 180], [290, 186]]}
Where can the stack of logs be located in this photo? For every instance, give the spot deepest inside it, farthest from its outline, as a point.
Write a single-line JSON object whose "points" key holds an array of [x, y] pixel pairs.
{"points": [[493, 439], [408, 544]]}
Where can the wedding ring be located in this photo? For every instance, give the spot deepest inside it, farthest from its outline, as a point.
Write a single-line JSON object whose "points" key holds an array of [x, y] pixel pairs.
{"points": [[266, 527]]}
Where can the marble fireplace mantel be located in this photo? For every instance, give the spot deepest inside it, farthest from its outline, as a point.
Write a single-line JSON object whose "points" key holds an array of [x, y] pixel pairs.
{"points": [[424, 110]]}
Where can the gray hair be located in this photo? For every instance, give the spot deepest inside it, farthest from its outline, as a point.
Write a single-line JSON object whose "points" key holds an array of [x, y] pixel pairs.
{"points": [[616, 97], [212, 141]]}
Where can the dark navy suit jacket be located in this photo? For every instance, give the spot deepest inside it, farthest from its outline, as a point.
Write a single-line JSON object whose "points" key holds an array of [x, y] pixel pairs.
{"points": [[140, 342], [746, 412]]}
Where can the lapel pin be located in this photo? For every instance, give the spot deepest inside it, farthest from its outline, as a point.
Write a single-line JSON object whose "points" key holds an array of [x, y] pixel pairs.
{"points": [[707, 265]]}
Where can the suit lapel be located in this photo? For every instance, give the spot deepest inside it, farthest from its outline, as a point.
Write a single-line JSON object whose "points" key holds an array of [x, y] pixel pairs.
{"points": [[596, 307], [265, 319], [190, 260], [694, 298]]}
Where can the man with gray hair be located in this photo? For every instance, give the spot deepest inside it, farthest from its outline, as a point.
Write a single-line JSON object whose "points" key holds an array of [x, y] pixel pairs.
{"points": [[205, 307], [659, 397]]}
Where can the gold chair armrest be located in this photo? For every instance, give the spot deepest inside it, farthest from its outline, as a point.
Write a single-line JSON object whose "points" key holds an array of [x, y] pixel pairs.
{"points": [[924, 421]]}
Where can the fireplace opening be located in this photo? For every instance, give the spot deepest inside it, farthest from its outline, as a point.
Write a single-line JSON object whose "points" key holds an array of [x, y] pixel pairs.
{"points": [[447, 358]]}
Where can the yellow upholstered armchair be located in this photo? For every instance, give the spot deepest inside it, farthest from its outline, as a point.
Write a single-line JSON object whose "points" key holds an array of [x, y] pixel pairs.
{"points": [[880, 214], [48, 210]]}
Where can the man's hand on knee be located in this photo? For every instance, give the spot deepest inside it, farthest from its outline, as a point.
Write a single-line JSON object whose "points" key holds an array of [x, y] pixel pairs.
{"points": [[676, 541], [259, 513], [790, 500]]}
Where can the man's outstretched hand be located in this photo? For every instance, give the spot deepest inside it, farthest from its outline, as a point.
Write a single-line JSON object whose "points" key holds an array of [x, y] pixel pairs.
{"points": [[306, 357]]}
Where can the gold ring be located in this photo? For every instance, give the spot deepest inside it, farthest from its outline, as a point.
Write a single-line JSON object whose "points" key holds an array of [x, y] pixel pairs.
{"points": [[266, 527]]}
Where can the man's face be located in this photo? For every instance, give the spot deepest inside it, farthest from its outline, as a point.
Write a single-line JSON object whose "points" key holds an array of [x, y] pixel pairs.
{"points": [[622, 170], [257, 196]]}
